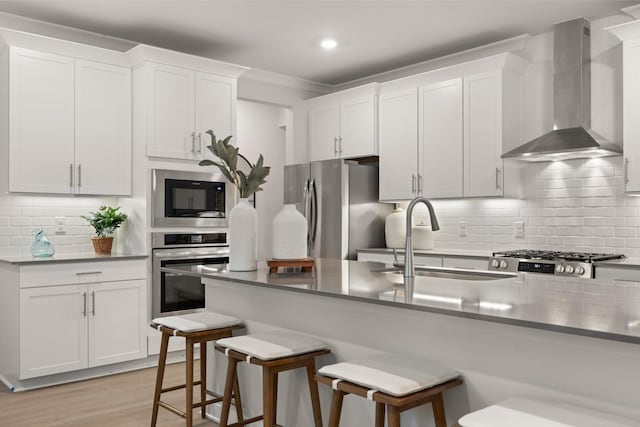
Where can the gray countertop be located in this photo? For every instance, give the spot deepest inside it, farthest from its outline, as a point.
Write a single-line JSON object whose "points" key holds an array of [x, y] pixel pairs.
{"points": [[597, 308], [21, 260], [467, 253]]}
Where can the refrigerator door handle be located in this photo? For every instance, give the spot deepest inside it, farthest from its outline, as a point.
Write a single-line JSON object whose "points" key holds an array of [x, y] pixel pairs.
{"points": [[306, 200], [314, 214]]}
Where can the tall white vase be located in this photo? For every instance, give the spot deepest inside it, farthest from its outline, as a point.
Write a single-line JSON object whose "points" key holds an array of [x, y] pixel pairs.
{"points": [[289, 234], [243, 239]]}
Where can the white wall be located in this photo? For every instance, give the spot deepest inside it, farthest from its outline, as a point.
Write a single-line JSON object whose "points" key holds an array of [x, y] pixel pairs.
{"points": [[259, 131]]}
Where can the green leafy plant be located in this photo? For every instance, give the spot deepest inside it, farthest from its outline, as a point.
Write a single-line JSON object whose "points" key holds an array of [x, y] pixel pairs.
{"points": [[228, 165], [106, 220]]}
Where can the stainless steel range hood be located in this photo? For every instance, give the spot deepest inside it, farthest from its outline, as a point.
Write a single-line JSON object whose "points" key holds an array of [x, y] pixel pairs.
{"points": [[571, 137]]}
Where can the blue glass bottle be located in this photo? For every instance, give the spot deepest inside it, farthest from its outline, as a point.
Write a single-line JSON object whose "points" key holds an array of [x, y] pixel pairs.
{"points": [[41, 246]]}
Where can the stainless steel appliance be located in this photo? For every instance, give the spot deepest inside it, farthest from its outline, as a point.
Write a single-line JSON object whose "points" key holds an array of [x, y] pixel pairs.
{"points": [[190, 199], [557, 263], [340, 201], [172, 293]]}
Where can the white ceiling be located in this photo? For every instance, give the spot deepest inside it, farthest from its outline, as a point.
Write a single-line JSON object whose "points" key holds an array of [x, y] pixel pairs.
{"points": [[282, 36]]}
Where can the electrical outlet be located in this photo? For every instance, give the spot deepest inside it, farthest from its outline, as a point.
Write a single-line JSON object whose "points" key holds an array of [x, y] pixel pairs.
{"points": [[463, 228], [60, 225], [519, 228]]}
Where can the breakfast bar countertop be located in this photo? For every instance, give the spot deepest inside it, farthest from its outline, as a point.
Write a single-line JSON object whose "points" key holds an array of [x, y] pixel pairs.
{"points": [[599, 308]]}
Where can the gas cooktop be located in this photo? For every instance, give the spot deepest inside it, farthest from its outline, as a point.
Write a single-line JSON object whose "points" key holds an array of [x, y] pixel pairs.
{"points": [[559, 263]]}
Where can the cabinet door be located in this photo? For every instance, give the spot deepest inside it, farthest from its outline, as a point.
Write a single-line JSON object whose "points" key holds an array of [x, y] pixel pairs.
{"points": [[171, 130], [358, 128], [324, 129], [103, 129], [215, 110], [398, 145], [631, 105], [117, 322], [41, 114], [440, 136], [53, 330], [483, 166]]}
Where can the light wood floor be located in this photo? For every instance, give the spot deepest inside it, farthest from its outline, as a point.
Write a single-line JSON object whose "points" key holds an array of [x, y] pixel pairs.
{"points": [[122, 400]]}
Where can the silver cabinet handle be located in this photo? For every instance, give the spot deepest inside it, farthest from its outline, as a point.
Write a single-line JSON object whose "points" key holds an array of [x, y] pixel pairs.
{"points": [[93, 303], [84, 312], [497, 178], [413, 183], [340, 145], [71, 175], [626, 170], [193, 142], [84, 273], [79, 175], [335, 146], [419, 183], [200, 143]]}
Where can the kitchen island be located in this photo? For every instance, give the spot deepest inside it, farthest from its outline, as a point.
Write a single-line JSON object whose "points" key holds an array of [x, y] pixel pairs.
{"points": [[571, 339]]}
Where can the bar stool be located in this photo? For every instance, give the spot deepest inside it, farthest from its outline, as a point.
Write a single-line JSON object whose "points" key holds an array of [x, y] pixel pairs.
{"points": [[195, 328], [397, 381], [527, 412], [275, 352]]}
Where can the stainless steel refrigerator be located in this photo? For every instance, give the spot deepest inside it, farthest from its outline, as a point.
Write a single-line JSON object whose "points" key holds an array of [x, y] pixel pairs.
{"points": [[340, 201]]}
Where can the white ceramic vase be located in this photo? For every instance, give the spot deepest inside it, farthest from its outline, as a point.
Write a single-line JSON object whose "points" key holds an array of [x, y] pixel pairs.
{"points": [[395, 228], [289, 234], [243, 237]]}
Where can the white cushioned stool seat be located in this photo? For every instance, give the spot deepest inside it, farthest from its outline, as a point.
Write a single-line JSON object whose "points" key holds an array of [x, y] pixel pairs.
{"points": [[526, 412], [272, 345], [394, 374], [194, 322]]}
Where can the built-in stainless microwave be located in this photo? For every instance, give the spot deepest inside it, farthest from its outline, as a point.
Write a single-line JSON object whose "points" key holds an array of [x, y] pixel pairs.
{"points": [[190, 199]]}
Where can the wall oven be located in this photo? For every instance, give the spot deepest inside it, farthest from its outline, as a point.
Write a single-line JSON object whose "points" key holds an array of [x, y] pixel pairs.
{"points": [[190, 199], [173, 293]]}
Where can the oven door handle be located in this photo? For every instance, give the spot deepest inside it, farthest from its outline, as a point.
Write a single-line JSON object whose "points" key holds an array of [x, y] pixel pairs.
{"points": [[174, 256]]}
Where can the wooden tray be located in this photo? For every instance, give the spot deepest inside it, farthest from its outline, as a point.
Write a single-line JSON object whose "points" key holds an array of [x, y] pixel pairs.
{"points": [[306, 264]]}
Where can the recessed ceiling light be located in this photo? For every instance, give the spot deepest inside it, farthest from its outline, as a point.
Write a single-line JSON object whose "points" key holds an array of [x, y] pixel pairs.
{"points": [[328, 44]]}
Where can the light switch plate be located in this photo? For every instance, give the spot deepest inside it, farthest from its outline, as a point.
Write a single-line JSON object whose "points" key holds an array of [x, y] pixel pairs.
{"points": [[519, 228], [463, 228]]}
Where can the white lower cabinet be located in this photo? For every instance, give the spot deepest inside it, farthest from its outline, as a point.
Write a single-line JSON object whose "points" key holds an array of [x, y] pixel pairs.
{"points": [[70, 327]]}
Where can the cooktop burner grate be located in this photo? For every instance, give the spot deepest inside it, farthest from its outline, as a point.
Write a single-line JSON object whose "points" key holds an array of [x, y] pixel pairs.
{"points": [[557, 255]]}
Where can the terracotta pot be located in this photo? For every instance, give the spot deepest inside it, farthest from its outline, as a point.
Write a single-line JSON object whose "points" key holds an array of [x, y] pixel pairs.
{"points": [[102, 245]]}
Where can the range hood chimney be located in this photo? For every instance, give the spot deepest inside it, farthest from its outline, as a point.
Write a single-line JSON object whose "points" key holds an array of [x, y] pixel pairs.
{"points": [[571, 137]]}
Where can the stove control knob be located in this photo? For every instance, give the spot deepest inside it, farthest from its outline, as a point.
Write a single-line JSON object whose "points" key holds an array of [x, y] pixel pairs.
{"points": [[569, 269], [503, 264], [559, 268], [495, 263], [580, 270]]}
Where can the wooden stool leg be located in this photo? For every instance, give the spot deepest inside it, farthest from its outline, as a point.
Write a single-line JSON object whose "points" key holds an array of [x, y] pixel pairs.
{"points": [[228, 389], [162, 360], [203, 377], [336, 408], [438, 411], [313, 391], [269, 396], [189, 383], [379, 414], [236, 399], [394, 416]]}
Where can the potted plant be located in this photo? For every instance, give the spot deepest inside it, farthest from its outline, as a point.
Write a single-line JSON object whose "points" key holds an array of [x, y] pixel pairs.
{"points": [[105, 222], [243, 218]]}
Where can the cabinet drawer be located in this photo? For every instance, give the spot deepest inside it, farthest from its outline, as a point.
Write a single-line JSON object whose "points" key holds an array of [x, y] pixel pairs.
{"points": [[81, 272]]}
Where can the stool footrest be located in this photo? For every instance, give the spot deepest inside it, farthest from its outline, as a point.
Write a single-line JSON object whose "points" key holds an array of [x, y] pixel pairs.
{"points": [[171, 408], [178, 387], [245, 422]]}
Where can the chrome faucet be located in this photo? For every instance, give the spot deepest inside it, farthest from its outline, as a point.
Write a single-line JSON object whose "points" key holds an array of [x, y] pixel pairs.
{"points": [[409, 269]]}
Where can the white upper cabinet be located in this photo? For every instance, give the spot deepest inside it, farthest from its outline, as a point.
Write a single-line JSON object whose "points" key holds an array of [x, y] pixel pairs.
{"points": [[41, 122], [629, 33], [103, 128], [74, 113], [440, 139], [398, 145], [343, 124], [178, 98], [467, 115]]}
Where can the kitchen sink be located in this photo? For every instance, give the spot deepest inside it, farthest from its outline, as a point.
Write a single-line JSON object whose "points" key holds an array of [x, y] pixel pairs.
{"points": [[449, 273]]}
